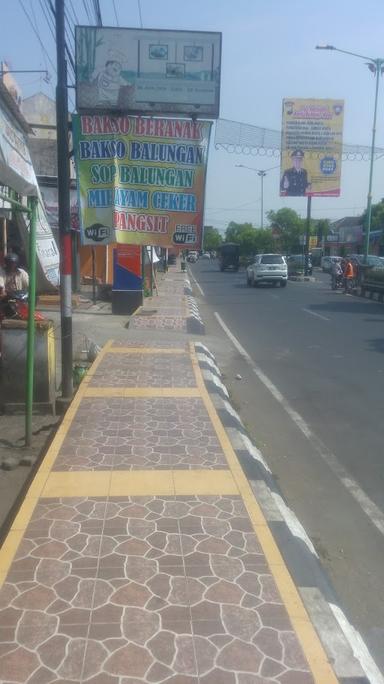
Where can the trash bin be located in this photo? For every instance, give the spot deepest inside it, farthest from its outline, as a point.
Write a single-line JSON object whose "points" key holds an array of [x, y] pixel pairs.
{"points": [[13, 367]]}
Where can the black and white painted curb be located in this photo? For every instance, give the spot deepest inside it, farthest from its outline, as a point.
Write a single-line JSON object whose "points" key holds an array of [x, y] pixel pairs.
{"points": [[371, 294], [195, 324], [344, 646], [187, 287]]}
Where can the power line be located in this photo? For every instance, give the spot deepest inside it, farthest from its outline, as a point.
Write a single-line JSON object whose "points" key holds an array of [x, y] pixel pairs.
{"points": [[53, 20], [48, 19], [37, 35], [87, 11], [33, 14], [116, 17], [99, 18], [74, 15], [140, 16]]}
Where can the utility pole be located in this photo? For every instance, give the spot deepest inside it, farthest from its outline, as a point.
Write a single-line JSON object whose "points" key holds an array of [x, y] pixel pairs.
{"points": [[307, 234], [64, 206]]}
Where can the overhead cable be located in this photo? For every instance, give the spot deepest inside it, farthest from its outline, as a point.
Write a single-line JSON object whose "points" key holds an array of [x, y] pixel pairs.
{"points": [[116, 17], [37, 35], [140, 15], [85, 4], [74, 15], [68, 52]]}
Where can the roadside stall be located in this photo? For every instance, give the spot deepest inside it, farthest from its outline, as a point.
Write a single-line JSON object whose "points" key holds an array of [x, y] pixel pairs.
{"points": [[19, 201]]}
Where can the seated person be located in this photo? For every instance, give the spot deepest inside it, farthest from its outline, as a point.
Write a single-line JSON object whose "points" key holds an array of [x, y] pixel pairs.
{"points": [[12, 277]]}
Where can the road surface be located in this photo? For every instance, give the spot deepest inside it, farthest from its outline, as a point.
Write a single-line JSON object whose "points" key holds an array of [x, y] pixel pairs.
{"points": [[311, 395]]}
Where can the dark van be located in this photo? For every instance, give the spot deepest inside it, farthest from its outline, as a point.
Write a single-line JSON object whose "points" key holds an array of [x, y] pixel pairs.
{"points": [[229, 256]]}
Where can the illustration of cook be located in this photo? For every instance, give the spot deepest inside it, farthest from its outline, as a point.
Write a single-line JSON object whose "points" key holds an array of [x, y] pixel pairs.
{"points": [[109, 79]]}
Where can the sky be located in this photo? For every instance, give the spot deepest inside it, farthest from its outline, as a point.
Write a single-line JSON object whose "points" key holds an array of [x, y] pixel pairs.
{"points": [[268, 53]]}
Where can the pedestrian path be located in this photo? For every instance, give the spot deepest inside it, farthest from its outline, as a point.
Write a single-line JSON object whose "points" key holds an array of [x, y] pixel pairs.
{"points": [[140, 554], [168, 310]]}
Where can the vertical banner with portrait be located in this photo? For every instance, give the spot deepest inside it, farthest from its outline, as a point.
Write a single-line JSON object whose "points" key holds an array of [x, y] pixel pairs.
{"points": [[311, 147]]}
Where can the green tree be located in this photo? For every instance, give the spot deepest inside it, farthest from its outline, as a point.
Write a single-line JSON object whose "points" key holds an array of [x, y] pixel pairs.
{"points": [[264, 241], [321, 228], [251, 240], [377, 221], [234, 230], [212, 239], [377, 216], [247, 240], [287, 227]]}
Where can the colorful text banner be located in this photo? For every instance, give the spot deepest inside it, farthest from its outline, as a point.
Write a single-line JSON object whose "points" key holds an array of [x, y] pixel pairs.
{"points": [[312, 137], [141, 180]]}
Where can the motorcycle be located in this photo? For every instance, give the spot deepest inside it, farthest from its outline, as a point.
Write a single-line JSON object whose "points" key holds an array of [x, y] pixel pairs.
{"points": [[337, 281], [15, 306]]}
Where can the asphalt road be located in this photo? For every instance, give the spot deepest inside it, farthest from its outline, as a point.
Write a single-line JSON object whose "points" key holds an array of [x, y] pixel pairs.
{"points": [[324, 438]]}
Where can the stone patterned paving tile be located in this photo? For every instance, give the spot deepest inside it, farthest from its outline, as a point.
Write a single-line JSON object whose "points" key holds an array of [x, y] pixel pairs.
{"points": [[169, 311], [144, 370], [141, 434], [91, 440], [144, 590], [153, 344], [177, 323], [166, 433]]}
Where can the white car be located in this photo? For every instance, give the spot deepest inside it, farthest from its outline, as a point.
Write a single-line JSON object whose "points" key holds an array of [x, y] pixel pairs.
{"points": [[327, 261], [268, 268]]}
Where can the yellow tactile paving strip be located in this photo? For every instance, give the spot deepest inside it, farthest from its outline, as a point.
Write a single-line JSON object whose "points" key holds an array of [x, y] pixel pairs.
{"points": [[301, 622], [138, 483], [141, 392], [144, 350], [47, 484]]}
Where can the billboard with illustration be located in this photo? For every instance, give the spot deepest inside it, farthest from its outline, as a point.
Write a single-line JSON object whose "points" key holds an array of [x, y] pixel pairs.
{"points": [[311, 147], [148, 71], [141, 180]]}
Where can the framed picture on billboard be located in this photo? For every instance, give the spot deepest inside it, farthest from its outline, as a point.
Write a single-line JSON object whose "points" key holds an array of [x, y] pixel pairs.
{"points": [[193, 53], [175, 70], [158, 52], [132, 71]]}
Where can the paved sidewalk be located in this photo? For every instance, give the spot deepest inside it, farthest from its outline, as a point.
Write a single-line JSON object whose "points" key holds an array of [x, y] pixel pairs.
{"points": [[140, 554]]}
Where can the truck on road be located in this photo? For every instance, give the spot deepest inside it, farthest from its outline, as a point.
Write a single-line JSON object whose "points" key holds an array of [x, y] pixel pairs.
{"points": [[229, 256]]}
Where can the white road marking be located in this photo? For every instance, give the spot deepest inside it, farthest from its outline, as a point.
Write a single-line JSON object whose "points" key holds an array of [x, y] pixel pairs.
{"points": [[197, 284], [375, 515], [293, 523], [360, 650], [313, 313], [365, 502]]}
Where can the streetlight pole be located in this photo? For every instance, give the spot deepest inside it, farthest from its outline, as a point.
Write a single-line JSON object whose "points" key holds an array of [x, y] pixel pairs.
{"points": [[261, 173], [378, 70], [376, 65]]}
